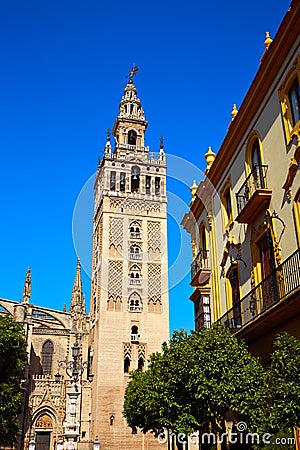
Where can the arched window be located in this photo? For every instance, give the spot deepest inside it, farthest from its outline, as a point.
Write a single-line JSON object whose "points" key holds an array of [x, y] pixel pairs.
{"points": [[126, 364], [135, 303], [256, 163], [226, 199], [234, 297], [135, 252], [47, 356], [297, 214], [135, 275], [111, 420], [289, 95], [132, 137], [135, 179], [141, 364], [135, 230], [134, 337]]}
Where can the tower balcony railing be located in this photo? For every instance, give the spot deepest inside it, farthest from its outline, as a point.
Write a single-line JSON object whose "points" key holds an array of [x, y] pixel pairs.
{"points": [[135, 256], [277, 286], [200, 269], [254, 195], [135, 281], [135, 338], [135, 235]]}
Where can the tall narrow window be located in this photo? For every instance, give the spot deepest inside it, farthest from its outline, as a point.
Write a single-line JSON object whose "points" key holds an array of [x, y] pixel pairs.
{"points": [[157, 185], [297, 215], [257, 166], [122, 181], [112, 180], [126, 364], [233, 278], [135, 179], [131, 136], [226, 199], [294, 100], [47, 356], [148, 184], [141, 364], [267, 264]]}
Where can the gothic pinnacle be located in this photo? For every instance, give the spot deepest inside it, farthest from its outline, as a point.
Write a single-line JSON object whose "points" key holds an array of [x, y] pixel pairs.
{"points": [[27, 287]]}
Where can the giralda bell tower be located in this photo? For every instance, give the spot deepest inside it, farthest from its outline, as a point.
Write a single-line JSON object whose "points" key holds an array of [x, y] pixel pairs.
{"points": [[129, 294]]}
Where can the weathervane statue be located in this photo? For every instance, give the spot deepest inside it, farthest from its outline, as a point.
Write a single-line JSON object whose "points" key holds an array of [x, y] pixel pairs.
{"points": [[132, 72]]}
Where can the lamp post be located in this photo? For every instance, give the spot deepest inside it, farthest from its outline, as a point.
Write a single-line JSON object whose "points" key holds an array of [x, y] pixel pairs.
{"points": [[96, 443], [60, 445], [74, 370], [31, 444]]}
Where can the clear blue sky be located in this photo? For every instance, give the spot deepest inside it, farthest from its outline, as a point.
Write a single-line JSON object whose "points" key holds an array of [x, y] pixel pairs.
{"points": [[63, 67]]}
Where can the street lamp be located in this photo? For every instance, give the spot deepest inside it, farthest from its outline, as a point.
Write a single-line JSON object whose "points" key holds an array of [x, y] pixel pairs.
{"points": [[74, 368], [31, 445], [96, 443], [60, 445]]}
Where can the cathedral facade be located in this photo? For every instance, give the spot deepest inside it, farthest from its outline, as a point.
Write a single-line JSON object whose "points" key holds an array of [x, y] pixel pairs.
{"points": [[79, 365]]}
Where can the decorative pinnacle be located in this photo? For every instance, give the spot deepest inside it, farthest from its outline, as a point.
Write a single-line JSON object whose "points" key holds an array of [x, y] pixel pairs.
{"points": [[27, 286], [268, 40], [234, 111], [210, 157], [108, 134], [194, 188], [77, 281], [161, 141]]}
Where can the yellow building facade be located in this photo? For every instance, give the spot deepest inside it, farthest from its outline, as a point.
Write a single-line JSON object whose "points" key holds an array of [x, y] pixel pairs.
{"points": [[244, 216]]}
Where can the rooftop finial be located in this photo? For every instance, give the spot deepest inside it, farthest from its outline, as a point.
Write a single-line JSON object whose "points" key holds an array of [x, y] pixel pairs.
{"points": [[161, 141], [108, 134], [234, 111], [132, 72], [268, 40], [210, 157], [27, 287]]}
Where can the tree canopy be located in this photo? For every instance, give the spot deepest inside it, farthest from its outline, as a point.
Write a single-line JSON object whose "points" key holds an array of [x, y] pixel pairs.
{"points": [[193, 381], [12, 363], [284, 382]]}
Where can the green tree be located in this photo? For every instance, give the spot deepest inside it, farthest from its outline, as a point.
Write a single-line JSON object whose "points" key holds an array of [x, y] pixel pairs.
{"points": [[284, 385], [190, 383], [12, 363]]}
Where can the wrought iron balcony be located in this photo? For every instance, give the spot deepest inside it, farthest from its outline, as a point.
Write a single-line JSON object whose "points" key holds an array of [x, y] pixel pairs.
{"points": [[135, 235], [200, 270], [135, 338], [254, 195], [135, 281], [278, 286], [135, 256]]}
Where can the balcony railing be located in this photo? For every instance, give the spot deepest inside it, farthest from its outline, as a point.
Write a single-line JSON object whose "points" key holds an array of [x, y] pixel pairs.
{"points": [[283, 281], [135, 338], [135, 235], [135, 256], [135, 281], [198, 266], [254, 194]]}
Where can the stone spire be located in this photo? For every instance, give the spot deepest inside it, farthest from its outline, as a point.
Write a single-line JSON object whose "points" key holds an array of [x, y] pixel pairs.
{"points": [[27, 287], [130, 106], [130, 125], [77, 307]]}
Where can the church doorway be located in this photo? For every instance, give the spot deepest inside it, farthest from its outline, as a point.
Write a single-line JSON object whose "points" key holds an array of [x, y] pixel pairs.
{"points": [[42, 440], [43, 430]]}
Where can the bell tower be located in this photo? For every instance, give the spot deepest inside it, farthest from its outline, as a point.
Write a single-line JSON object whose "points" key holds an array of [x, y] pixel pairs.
{"points": [[129, 308]]}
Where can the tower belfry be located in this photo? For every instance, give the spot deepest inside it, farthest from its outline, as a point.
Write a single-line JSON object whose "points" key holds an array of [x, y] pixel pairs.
{"points": [[129, 295]]}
